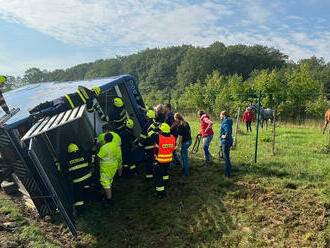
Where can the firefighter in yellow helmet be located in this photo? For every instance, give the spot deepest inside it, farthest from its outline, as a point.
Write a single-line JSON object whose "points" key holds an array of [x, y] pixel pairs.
{"points": [[78, 167], [3, 103], [164, 145], [108, 166], [128, 139], [66, 102], [118, 115], [146, 142]]}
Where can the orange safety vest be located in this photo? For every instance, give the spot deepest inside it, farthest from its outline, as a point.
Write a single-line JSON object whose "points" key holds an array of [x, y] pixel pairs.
{"points": [[165, 147]]}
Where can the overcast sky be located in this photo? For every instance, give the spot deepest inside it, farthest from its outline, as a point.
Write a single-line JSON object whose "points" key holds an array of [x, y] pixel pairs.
{"points": [[54, 34]]}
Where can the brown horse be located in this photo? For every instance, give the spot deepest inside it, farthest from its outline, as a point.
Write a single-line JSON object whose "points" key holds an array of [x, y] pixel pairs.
{"points": [[326, 120]]}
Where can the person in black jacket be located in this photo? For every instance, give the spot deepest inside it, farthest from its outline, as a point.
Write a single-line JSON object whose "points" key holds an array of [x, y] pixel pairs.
{"points": [[147, 143], [3, 103], [77, 164], [127, 141], [118, 115], [66, 102]]}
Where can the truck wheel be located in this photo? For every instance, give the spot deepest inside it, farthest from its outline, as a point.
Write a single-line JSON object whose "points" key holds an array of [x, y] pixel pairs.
{"points": [[10, 188]]}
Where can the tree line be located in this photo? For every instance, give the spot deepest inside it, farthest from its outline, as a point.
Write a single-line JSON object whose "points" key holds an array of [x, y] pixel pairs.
{"points": [[212, 78]]}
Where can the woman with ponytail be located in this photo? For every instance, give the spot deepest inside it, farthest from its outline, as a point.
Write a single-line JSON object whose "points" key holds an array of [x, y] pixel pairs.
{"points": [[184, 141]]}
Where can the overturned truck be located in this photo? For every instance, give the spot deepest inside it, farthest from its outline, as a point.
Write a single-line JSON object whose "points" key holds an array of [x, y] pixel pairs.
{"points": [[29, 148]]}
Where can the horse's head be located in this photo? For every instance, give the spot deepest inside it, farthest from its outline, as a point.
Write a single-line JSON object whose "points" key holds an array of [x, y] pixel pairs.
{"points": [[253, 106]]}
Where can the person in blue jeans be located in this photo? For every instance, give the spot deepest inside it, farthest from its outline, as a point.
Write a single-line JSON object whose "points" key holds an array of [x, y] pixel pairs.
{"points": [[226, 139], [184, 141], [207, 134]]}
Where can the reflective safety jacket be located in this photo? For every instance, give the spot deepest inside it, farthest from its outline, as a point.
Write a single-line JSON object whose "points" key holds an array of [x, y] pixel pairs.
{"points": [[108, 154], [78, 167], [117, 141], [164, 147], [118, 118], [83, 96], [154, 128], [144, 141]]}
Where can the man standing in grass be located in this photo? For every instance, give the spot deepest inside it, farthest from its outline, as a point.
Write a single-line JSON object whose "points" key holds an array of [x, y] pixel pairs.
{"points": [[226, 139], [207, 133], [108, 156]]}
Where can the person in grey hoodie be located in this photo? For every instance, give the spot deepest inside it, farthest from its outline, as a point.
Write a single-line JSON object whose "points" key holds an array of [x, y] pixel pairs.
{"points": [[226, 139]]}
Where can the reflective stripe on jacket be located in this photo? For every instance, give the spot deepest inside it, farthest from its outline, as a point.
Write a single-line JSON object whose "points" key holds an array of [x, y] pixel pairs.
{"points": [[111, 155], [164, 149], [78, 167]]}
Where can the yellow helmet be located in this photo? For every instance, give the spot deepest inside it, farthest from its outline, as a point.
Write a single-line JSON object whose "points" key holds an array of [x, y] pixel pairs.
{"points": [[151, 114], [130, 123], [96, 90], [73, 148], [118, 102], [165, 128], [2, 79]]}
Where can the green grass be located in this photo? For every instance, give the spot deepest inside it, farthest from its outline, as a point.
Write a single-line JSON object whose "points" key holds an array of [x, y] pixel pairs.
{"points": [[27, 233], [281, 201]]}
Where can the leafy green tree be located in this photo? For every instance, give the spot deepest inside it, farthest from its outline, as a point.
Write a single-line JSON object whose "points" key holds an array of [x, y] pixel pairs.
{"points": [[33, 75], [273, 89], [301, 90]]}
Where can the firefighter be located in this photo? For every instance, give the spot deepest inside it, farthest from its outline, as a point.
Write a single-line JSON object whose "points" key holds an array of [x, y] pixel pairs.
{"points": [[116, 140], [3, 103], [108, 166], [118, 116], [128, 139], [164, 145], [147, 143], [78, 167], [66, 102]]}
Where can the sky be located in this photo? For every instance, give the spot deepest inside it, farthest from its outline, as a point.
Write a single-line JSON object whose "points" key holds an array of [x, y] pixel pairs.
{"points": [[57, 34]]}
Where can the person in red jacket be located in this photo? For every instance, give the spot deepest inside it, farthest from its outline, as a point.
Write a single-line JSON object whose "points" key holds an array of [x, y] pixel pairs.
{"points": [[247, 118], [207, 133]]}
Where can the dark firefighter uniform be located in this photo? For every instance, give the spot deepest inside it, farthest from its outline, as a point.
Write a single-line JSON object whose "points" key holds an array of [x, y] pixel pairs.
{"points": [[148, 145], [77, 165], [66, 102], [164, 145], [127, 141], [118, 116], [3, 103]]}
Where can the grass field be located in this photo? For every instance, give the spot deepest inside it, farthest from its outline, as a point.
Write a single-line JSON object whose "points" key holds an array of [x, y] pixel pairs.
{"points": [[281, 201]]}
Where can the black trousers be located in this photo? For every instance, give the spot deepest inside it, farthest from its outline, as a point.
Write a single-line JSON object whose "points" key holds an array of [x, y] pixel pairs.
{"points": [[161, 177], [248, 126], [81, 193], [150, 161]]}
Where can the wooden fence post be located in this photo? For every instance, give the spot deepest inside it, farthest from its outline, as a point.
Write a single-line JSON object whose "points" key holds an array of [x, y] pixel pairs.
{"points": [[273, 139], [237, 127]]}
